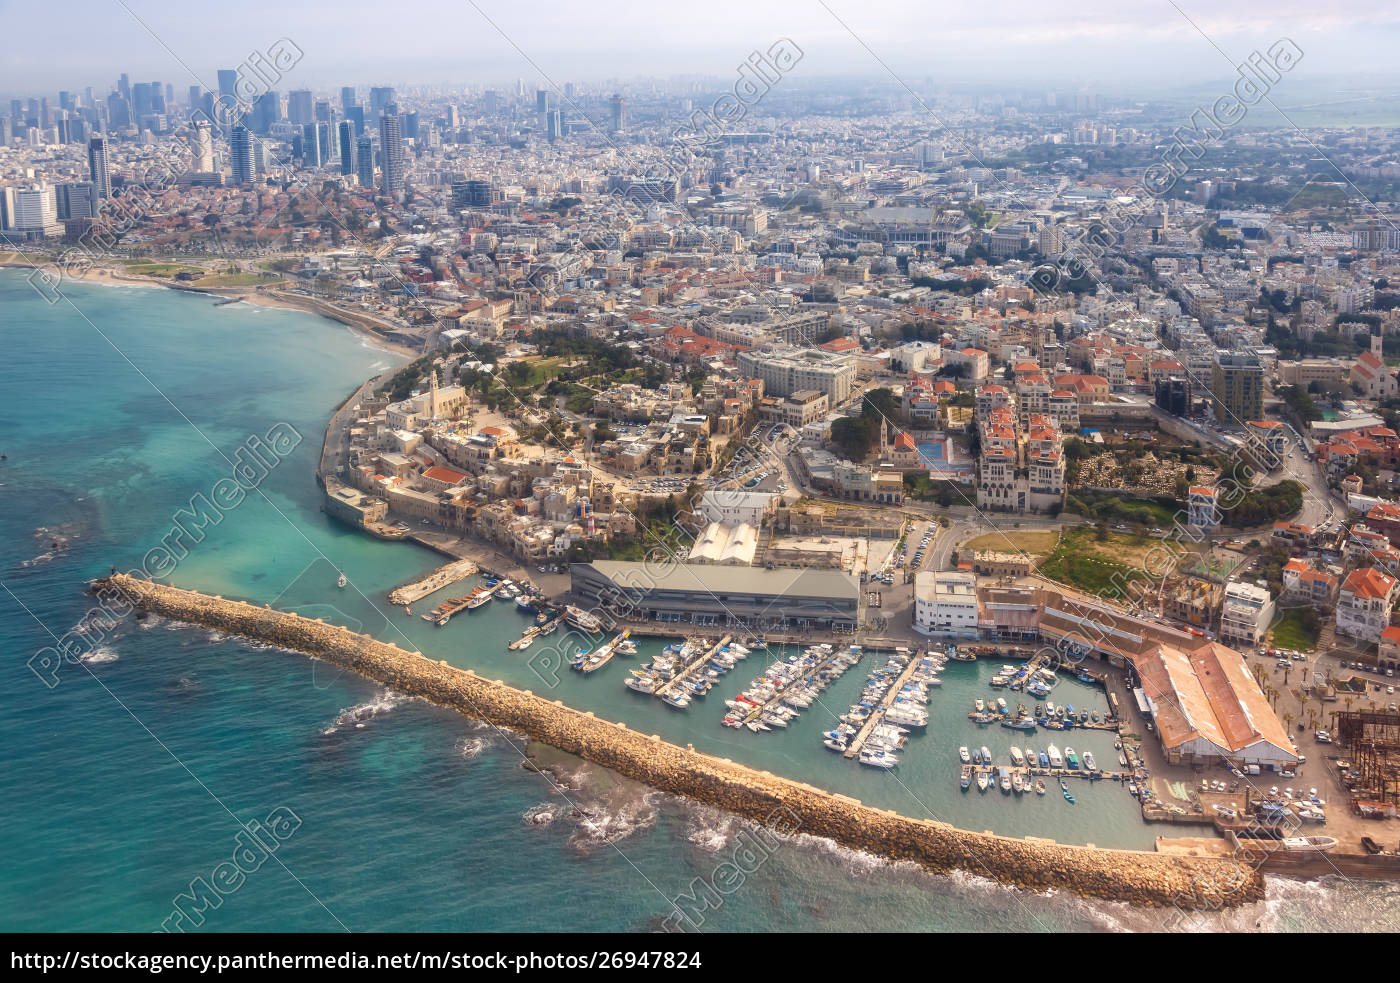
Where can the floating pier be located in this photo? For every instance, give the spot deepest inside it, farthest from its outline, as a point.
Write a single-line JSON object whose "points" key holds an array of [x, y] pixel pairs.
{"points": [[878, 716], [673, 686]]}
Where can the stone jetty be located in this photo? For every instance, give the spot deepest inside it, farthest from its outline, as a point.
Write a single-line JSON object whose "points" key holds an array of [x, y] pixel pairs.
{"points": [[1137, 877]]}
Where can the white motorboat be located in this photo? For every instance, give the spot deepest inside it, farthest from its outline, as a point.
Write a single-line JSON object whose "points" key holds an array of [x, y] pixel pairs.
{"points": [[964, 756]]}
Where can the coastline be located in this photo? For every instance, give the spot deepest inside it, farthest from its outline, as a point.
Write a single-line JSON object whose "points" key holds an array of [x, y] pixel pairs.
{"points": [[277, 300], [1139, 878]]}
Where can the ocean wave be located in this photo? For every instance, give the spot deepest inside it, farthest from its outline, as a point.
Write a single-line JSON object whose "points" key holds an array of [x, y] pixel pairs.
{"points": [[471, 747], [599, 825], [99, 655], [357, 717], [543, 814]]}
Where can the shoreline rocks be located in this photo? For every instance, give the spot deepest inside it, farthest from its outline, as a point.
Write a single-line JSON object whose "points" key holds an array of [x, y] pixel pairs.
{"points": [[1136, 877]]}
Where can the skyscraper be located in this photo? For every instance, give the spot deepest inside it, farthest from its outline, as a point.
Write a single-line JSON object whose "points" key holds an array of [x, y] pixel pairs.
{"points": [[542, 106], [347, 147], [347, 97], [380, 98], [202, 147], [299, 109], [266, 111], [77, 199], [315, 144], [619, 114], [97, 166], [228, 97], [391, 146], [241, 155], [364, 161]]}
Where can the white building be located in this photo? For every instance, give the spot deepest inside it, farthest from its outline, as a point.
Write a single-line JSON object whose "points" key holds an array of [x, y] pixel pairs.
{"points": [[946, 604], [1203, 512], [733, 506], [1245, 614], [1365, 602]]}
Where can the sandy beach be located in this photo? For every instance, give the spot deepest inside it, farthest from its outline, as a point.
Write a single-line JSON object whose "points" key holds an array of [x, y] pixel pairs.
{"points": [[262, 296]]}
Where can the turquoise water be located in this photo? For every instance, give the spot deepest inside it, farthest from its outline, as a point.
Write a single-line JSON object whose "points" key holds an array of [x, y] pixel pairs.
{"points": [[127, 780]]}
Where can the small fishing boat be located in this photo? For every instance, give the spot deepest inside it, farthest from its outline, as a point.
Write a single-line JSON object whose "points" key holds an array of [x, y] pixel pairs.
{"points": [[1319, 844], [1056, 761], [986, 755], [1004, 778], [982, 778], [1017, 758], [1071, 758], [1089, 763], [1044, 759], [1040, 786], [965, 779]]}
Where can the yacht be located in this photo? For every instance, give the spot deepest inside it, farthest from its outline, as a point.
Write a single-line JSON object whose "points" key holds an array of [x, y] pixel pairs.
{"points": [[965, 779], [878, 758], [1004, 777], [986, 755], [1017, 758], [1089, 764], [982, 779], [1031, 759], [1056, 761], [964, 756]]}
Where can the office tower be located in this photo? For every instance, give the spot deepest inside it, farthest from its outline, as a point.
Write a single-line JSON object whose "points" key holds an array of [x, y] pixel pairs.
{"points": [[299, 110], [7, 131], [323, 111], [142, 103], [228, 99], [1237, 387], [569, 91], [356, 114], [541, 106], [241, 155], [31, 210], [315, 144], [391, 146], [380, 97], [491, 102], [195, 97], [77, 199], [410, 125], [157, 96], [203, 147], [124, 86], [364, 161], [454, 118], [553, 123], [619, 114], [266, 111], [472, 193], [65, 101], [169, 93], [97, 166], [347, 147], [347, 98], [228, 83], [16, 111], [118, 110]]}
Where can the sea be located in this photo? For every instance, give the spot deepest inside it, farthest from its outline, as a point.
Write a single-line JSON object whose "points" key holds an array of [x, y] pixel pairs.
{"points": [[133, 774]]}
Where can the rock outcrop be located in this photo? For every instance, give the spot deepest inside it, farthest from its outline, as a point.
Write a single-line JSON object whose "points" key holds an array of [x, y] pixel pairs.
{"points": [[1137, 877]]}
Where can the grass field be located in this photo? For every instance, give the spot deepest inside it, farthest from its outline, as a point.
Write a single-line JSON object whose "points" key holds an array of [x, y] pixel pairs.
{"points": [[1291, 633], [1014, 541], [233, 280], [1111, 568]]}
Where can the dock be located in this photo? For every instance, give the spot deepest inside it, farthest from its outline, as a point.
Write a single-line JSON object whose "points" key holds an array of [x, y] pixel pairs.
{"points": [[443, 614], [673, 686], [863, 734], [535, 631], [777, 698], [443, 576]]}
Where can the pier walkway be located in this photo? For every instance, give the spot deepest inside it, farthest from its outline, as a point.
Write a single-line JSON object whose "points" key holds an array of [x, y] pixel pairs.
{"points": [[443, 576], [673, 687], [863, 734]]}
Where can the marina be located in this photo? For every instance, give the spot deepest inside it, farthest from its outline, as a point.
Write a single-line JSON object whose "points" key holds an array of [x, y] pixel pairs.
{"points": [[679, 674], [904, 695], [788, 687], [585, 661]]}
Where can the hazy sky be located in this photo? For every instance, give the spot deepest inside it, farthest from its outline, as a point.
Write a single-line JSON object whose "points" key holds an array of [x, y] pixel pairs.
{"points": [[90, 42]]}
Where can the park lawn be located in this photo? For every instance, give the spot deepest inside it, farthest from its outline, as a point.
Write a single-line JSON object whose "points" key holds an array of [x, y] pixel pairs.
{"points": [[1081, 561], [1291, 633], [1015, 541], [234, 280]]}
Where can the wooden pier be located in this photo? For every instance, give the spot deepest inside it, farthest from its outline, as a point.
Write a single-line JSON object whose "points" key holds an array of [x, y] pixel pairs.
{"points": [[692, 669], [443, 576], [443, 614], [878, 714]]}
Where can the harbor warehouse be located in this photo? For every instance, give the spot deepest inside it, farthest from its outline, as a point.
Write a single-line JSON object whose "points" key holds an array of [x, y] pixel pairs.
{"points": [[701, 594]]}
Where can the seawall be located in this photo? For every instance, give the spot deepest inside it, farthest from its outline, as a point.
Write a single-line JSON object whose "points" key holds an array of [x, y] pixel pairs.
{"points": [[1137, 877]]}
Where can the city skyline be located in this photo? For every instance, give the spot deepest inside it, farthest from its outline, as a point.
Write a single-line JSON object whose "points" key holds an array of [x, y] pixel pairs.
{"points": [[1162, 46]]}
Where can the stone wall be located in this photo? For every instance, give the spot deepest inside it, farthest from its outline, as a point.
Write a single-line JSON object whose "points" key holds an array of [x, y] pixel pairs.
{"points": [[1140, 878]]}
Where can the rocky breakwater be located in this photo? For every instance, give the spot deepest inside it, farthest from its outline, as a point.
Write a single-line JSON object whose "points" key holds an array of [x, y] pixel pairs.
{"points": [[1140, 878]]}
